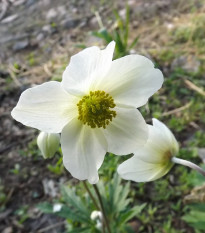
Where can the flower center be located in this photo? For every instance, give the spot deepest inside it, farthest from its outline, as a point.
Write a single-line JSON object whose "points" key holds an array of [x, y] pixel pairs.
{"points": [[95, 109]]}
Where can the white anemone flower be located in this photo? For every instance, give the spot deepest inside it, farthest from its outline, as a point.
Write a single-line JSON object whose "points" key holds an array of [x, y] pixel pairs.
{"points": [[155, 158], [96, 215], [94, 107]]}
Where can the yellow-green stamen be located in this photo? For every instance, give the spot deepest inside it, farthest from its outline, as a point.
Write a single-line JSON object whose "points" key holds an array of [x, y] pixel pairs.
{"points": [[95, 109]]}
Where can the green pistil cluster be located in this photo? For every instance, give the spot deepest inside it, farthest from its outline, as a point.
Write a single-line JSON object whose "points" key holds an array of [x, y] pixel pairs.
{"points": [[95, 109]]}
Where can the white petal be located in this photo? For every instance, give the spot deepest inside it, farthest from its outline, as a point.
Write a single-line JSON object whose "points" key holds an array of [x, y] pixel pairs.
{"points": [[47, 107], [83, 149], [166, 135], [139, 171], [126, 132], [155, 148], [148, 155], [158, 144], [86, 69], [153, 160], [132, 80]]}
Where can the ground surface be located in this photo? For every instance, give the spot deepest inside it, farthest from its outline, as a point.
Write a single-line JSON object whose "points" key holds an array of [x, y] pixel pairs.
{"points": [[37, 39]]}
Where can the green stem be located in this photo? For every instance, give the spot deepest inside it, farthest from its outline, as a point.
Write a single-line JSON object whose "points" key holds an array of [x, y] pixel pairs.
{"points": [[91, 195], [188, 164], [94, 201], [102, 207]]}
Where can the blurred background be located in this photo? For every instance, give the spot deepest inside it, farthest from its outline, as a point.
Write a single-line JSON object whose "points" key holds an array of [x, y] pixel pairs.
{"points": [[37, 39]]}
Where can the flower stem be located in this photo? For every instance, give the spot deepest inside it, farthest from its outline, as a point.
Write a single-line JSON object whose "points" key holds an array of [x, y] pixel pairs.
{"points": [[188, 164], [102, 207], [91, 195]]}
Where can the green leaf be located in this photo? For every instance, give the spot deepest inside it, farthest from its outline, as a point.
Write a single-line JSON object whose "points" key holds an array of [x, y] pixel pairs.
{"points": [[45, 207], [81, 230], [81, 46], [103, 34], [65, 212], [76, 204], [127, 22], [128, 229], [196, 216], [197, 207], [132, 213], [120, 49], [73, 199], [71, 214], [106, 36], [119, 20], [134, 42]]}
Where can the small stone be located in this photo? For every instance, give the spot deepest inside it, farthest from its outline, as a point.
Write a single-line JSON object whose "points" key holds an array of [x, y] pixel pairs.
{"points": [[9, 18], [70, 23], [7, 230], [4, 74], [135, 225], [20, 45], [61, 10], [30, 2], [49, 29], [51, 14], [5, 214], [8, 123], [34, 172], [169, 26], [187, 63], [35, 194], [132, 51], [135, 24], [122, 13], [45, 2], [82, 24], [46, 28], [93, 23], [50, 187], [201, 152], [75, 10], [19, 2], [40, 37], [131, 2]]}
